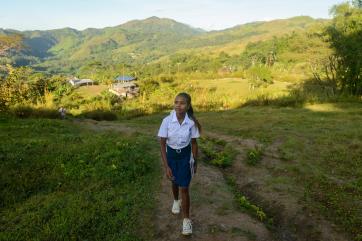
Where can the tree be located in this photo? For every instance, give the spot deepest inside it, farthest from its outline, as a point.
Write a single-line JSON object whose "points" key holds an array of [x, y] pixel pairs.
{"points": [[15, 89], [259, 75], [10, 42], [357, 3], [345, 37]]}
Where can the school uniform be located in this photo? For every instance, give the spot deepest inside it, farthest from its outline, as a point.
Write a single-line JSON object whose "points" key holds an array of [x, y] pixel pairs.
{"points": [[178, 149]]}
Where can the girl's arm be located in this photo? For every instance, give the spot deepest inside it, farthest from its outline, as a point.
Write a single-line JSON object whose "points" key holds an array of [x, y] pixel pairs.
{"points": [[164, 157], [195, 149]]}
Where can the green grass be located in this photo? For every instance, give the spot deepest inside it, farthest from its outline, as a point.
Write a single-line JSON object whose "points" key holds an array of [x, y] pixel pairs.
{"points": [[87, 92], [59, 182], [321, 150], [100, 115], [229, 93], [237, 86]]}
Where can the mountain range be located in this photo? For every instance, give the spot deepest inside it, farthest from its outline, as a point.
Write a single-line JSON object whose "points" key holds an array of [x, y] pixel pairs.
{"points": [[144, 41]]}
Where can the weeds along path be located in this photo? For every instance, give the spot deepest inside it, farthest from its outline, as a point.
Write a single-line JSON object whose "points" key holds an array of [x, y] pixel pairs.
{"points": [[214, 212]]}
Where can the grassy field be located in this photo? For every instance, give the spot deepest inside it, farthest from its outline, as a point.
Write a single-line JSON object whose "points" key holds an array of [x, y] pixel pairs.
{"points": [[208, 94], [320, 146], [229, 93], [88, 92], [59, 182], [238, 87]]}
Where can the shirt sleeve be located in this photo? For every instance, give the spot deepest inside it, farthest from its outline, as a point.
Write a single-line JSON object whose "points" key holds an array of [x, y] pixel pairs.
{"points": [[195, 132], [162, 132]]}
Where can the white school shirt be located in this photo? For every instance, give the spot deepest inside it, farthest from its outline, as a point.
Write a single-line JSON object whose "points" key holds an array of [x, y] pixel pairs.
{"points": [[178, 136]]}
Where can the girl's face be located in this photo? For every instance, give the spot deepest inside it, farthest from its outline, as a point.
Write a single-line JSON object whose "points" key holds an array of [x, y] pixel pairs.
{"points": [[181, 105]]}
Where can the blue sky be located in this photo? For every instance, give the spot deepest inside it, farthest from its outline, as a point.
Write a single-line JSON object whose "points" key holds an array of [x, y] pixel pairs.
{"points": [[206, 14]]}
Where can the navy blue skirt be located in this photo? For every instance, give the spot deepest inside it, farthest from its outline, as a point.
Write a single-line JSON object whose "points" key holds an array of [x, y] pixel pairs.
{"points": [[179, 162]]}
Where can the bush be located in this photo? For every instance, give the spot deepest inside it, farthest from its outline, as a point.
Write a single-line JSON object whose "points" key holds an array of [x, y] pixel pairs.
{"points": [[260, 76], [167, 79], [99, 115], [27, 112], [309, 91], [217, 152]]}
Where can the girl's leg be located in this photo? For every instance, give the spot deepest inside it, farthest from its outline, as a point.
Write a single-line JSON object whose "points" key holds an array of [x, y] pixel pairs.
{"points": [[175, 191], [185, 202]]}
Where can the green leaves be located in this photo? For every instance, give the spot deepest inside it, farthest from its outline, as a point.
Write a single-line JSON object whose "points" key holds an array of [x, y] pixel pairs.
{"points": [[345, 37], [259, 76], [217, 152], [254, 156]]}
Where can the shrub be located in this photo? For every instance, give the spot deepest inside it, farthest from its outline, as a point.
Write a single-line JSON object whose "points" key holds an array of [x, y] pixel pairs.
{"points": [[27, 112], [260, 76], [217, 152], [254, 156], [101, 115]]}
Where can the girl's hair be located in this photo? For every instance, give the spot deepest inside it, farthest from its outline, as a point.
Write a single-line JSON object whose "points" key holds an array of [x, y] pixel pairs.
{"points": [[190, 111]]}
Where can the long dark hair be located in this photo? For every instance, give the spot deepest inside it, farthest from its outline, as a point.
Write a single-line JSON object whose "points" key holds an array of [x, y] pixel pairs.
{"points": [[190, 111]]}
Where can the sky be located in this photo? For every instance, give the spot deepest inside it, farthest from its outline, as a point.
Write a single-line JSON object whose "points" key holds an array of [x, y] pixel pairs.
{"points": [[206, 14]]}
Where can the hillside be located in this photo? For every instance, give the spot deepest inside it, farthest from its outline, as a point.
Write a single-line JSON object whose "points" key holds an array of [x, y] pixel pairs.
{"points": [[123, 42], [142, 41], [233, 40]]}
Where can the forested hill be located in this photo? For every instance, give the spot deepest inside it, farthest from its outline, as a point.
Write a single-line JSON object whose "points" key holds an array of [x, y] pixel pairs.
{"points": [[142, 41]]}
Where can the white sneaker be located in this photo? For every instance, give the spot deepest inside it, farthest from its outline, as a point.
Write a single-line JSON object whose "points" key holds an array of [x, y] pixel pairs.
{"points": [[187, 227], [176, 206]]}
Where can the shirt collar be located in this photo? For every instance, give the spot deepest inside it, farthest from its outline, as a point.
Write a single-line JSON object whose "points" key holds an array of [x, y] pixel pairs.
{"points": [[174, 117]]}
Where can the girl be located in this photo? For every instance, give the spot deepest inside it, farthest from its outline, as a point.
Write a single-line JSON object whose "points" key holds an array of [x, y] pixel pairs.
{"points": [[179, 151]]}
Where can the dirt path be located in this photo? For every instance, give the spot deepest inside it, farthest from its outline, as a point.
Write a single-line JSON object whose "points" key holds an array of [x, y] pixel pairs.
{"points": [[213, 210]]}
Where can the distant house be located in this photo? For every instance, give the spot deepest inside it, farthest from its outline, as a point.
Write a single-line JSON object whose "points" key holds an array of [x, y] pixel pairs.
{"points": [[125, 87], [80, 82], [125, 78], [225, 70], [127, 90]]}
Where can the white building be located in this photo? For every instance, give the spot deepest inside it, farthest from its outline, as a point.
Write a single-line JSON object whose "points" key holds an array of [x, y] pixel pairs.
{"points": [[80, 82], [128, 89]]}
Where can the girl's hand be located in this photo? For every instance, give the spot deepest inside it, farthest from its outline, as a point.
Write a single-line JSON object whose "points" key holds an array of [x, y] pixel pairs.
{"points": [[169, 173]]}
